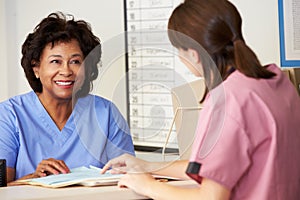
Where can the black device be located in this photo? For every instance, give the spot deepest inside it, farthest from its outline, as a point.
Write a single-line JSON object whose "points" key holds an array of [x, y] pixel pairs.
{"points": [[3, 173]]}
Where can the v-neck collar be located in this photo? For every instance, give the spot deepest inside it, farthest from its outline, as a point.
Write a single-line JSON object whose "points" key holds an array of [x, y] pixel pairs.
{"points": [[48, 121]]}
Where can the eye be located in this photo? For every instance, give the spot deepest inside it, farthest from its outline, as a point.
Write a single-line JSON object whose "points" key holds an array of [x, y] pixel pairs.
{"points": [[77, 62], [55, 61]]}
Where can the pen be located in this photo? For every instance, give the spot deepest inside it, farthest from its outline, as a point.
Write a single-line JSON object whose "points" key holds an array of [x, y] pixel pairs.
{"points": [[162, 180]]}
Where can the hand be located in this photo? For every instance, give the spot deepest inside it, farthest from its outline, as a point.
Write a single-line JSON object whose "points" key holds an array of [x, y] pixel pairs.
{"points": [[125, 163], [51, 166], [138, 182]]}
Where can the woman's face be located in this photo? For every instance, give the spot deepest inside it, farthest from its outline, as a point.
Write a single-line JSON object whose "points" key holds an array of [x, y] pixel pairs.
{"points": [[61, 70], [190, 59]]}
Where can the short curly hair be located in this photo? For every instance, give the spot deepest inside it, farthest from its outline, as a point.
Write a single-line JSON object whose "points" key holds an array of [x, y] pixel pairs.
{"points": [[58, 27]]}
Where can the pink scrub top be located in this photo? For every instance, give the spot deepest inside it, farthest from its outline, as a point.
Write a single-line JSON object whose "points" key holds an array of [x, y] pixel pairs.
{"points": [[248, 138]]}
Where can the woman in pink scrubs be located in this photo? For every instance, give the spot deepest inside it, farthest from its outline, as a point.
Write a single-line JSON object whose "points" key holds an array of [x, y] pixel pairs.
{"points": [[248, 135]]}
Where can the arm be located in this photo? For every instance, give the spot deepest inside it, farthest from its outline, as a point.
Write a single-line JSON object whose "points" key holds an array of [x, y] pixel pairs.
{"points": [[146, 185], [119, 136], [10, 173], [128, 163], [172, 169]]}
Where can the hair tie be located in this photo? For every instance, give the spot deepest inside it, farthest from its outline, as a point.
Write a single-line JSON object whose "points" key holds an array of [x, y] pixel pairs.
{"points": [[237, 38]]}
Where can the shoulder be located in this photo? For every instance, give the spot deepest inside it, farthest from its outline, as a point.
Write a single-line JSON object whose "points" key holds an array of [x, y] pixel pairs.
{"points": [[98, 102], [104, 108], [274, 68], [17, 101], [242, 87], [251, 99], [101, 100], [14, 108]]}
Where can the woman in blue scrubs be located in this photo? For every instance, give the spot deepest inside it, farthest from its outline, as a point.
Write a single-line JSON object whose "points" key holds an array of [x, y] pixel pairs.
{"points": [[59, 125]]}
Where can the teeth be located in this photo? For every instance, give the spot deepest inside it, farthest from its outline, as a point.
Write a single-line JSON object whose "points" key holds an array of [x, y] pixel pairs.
{"points": [[63, 83]]}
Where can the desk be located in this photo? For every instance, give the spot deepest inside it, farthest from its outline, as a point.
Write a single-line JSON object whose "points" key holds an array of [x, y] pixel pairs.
{"points": [[76, 192]]}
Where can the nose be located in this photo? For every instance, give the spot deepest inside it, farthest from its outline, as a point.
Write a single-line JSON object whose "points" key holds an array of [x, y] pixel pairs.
{"points": [[65, 70]]}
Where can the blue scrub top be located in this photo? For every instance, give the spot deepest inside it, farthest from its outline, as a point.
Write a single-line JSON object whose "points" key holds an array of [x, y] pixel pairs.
{"points": [[94, 133]]}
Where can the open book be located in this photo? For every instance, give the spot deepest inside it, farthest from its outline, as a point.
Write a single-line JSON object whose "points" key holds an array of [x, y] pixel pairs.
{"points": [[78, 176]]}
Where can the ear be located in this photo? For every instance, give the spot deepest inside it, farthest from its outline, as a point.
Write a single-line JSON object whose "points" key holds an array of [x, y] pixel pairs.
{"points": [[36, 72], [193, 54], [35, 68]]}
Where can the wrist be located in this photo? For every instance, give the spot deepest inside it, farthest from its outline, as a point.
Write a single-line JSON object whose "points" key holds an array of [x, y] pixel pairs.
{"points": [[29, 176], [156, 167], [150, 188]]}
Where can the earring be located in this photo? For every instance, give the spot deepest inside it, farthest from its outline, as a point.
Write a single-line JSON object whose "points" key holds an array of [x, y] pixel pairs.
{"points": [[37, 76]]}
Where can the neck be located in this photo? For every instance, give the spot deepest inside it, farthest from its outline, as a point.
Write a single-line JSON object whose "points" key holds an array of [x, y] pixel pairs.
{"points": [[59, 110]]}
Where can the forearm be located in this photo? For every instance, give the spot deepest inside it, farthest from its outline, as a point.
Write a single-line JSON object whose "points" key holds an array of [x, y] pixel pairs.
{"points": [[172, 169], [11, 176], [159, 190], [209, 190]]}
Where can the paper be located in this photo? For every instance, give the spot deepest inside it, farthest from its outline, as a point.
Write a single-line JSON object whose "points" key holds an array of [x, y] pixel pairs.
{"points": [[81, 176]]}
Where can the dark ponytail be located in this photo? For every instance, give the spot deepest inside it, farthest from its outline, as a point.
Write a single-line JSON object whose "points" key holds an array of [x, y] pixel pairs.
{"points": [[247, 63]]}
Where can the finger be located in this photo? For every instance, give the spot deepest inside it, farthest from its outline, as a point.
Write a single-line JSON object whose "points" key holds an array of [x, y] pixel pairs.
{"points": [[116, 162], [40, 174], [115, 168], [113, 163], [57, 166], [50, 169], [118, 170], [40, 171], [49, 166], [106, 167], [64, 166]]}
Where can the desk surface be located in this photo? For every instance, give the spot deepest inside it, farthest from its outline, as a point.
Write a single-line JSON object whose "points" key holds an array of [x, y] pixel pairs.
{"points": [[76, 192]]}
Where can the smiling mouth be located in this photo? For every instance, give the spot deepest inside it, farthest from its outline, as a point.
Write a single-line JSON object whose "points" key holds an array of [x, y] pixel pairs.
{"points": [[64, 83]]}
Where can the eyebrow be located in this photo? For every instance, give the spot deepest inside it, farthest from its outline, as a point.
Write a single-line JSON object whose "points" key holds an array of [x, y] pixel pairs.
{"points": [[59, 56]]}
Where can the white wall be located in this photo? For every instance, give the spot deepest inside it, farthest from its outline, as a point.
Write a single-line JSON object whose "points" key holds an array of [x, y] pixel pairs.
{"points": [[3, 55], [19, 17], [260, 28]]}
